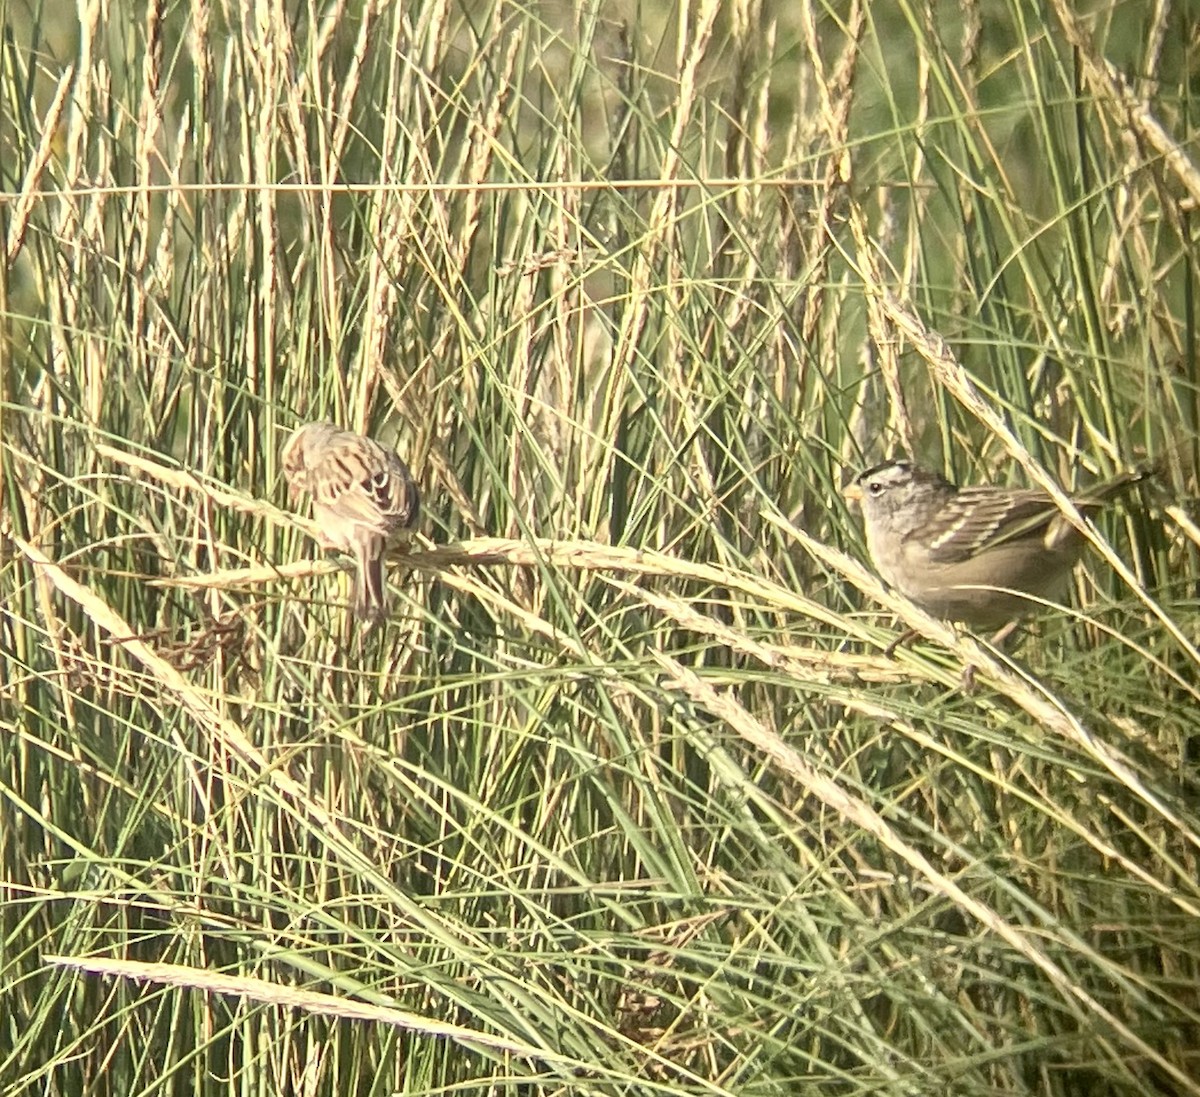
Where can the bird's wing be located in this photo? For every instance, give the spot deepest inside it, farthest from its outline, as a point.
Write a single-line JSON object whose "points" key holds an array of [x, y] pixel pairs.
{"points": [[976, 519], [364, 483]]}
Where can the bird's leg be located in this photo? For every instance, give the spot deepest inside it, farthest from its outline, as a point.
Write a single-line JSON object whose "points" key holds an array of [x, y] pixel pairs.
{"points": [[996, 641], [1004, 633], [904, 637]]}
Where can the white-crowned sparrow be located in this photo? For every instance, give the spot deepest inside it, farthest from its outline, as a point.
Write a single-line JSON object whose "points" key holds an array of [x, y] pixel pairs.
{"points": [[362, 495], [983, 556]]}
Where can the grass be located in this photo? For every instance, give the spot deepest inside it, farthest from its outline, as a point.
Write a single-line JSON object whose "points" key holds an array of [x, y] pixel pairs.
{"points": [[626, 798]]}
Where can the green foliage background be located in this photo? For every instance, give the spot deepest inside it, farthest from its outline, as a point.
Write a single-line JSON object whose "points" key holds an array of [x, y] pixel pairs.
{"points": [[627, 797]]}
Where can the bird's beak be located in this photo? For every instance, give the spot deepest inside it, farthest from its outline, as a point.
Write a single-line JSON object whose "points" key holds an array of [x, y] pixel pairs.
{"points": [[852, 492]]}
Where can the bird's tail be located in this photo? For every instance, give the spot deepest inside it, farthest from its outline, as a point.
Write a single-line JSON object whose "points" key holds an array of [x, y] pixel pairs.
{"points": [[370, 584], [1099, 494]]}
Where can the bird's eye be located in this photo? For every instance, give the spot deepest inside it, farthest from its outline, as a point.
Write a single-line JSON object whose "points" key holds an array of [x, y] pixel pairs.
{"points": [[875, 488]]}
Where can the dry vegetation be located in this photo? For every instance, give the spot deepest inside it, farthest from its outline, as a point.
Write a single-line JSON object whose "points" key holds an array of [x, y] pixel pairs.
{"points": [[627, 798]]}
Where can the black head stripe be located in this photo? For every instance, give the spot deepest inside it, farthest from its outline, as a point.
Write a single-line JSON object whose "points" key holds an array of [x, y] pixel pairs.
{"points": [[883, 466]]}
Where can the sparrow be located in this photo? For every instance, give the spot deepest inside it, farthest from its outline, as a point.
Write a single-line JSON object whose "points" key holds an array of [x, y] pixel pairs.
{"points": [[362, 496], [981, 555]]}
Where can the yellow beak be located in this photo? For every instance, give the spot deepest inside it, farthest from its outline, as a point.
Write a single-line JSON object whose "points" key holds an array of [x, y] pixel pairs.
{"points": [[853, 492]]}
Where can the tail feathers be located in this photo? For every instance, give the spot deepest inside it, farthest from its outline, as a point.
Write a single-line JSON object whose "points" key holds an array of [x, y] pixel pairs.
{"points": [[1099, 494], [370, 584]]}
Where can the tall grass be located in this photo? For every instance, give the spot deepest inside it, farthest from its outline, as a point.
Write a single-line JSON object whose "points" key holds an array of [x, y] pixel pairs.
{"points": [[626, 797]]}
